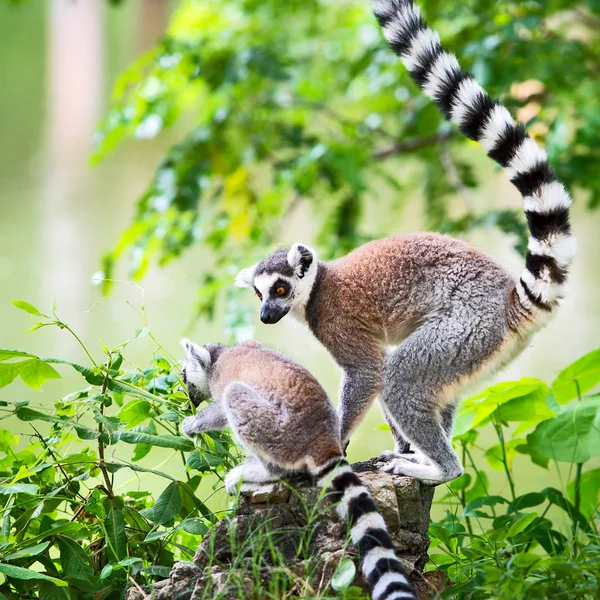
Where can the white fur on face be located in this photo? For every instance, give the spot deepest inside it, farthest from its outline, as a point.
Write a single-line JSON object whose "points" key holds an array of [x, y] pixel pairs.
{"points": [[264, 282]]}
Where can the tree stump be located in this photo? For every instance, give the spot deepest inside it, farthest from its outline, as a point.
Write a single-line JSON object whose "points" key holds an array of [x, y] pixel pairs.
{"points": [[289, 529]]}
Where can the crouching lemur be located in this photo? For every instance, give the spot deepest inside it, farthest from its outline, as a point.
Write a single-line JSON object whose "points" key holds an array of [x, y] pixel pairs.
{"points": [[283, 418], [450, 311]]}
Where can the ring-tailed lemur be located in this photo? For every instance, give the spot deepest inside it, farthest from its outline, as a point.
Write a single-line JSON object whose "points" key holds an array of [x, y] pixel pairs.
{"points": [[282, 416], [452, 311]]}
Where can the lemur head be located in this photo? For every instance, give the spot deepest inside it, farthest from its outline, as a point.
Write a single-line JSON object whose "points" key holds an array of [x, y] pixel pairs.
{"points": [[197, 366], [282, 281]]}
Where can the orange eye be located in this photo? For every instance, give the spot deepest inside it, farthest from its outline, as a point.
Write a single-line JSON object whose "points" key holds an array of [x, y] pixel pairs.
{"points": [[280, 291], [259, 295]]}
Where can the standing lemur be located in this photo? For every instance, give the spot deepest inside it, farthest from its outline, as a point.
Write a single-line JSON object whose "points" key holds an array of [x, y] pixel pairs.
{"points": [[450, 310], [282, 416]]}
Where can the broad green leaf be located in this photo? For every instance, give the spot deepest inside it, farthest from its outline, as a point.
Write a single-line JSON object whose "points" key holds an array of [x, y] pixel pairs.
{"points": [[583, 373], [557, 498], [36, 372], [572, 436], [134, 412], [158, 535], [494, 455], [20, 488], [116, 538], [8, 441], [28, 308], [521, 524], [589, 489], [25, 413], [74, 560], [9, 371], [194, 526], [530, 393], [27, 574], [162, 441], [343, 575], [48, 591], [123, 387], [166, 506], [205, 461], [140, 451], [90, 375], [6, 354], [27, 551]]}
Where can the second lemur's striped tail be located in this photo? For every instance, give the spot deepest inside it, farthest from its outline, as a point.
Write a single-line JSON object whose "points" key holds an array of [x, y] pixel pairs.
{"points": [[379, 565], [461, 100]]}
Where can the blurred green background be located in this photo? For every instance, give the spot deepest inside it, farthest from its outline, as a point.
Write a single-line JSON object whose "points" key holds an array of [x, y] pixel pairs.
{"points": [[59, 61]]}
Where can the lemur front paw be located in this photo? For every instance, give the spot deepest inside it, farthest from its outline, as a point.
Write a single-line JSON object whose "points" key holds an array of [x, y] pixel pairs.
{"points": [[189, 427], [232, 480], [388, 455], [400, 465]]}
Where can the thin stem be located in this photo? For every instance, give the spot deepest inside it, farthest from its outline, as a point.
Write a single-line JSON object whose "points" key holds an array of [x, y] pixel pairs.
{"points": [[413, 143], [51, 453], [101, 463], [463, 492], [577, 491], [500, 433], [65, 326]]}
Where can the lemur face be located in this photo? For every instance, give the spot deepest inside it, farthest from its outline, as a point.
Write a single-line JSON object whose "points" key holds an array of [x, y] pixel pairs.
{"points": [[194, 373], [282, 281]]}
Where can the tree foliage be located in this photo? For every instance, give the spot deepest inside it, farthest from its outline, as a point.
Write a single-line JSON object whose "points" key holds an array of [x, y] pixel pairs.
{"points": [[300, 102]]}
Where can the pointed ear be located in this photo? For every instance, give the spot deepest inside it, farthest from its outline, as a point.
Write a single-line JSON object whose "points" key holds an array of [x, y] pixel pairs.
{"points": [[301, 258], [245, 277], [196, 353]]}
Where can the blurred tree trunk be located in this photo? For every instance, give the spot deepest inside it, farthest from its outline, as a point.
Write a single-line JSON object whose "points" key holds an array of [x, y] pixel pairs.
{"points": [[74, 84]]}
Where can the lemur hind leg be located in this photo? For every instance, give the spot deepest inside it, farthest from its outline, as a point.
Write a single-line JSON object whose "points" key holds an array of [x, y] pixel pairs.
{"points": [[421, 380], [249, 415], [401, 446]]}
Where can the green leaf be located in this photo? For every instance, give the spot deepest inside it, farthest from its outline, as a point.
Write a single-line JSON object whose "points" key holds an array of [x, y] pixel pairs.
{"points": [[36, 372], [25, 413], [27, 551], [20, 488], [116, 538], [572, 436], [583, 373], [526, 397], [158, 535], [134, 412], [521, 524], [589, 489], [166, 506], [194, 526], [74, 560], [344, 574], [90, 375], [123, 387], [13, 572], [162, 441], [9, 371], [28, 308], [8, 441], [6, 354]]}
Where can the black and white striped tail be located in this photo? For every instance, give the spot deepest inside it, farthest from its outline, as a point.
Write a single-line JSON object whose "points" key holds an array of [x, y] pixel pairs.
{"points": [[462, 101], [368, 531]]}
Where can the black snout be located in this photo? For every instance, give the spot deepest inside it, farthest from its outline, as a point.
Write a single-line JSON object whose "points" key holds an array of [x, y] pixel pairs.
{"points": [[272, 314]]}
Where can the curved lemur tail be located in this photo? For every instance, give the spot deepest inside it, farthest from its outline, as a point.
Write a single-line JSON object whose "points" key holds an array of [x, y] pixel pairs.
{"points": [[379, 565], [463, 102]]}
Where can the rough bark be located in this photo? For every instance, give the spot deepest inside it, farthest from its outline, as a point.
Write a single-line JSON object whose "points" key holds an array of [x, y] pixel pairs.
{"points": [[295, 521]]}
